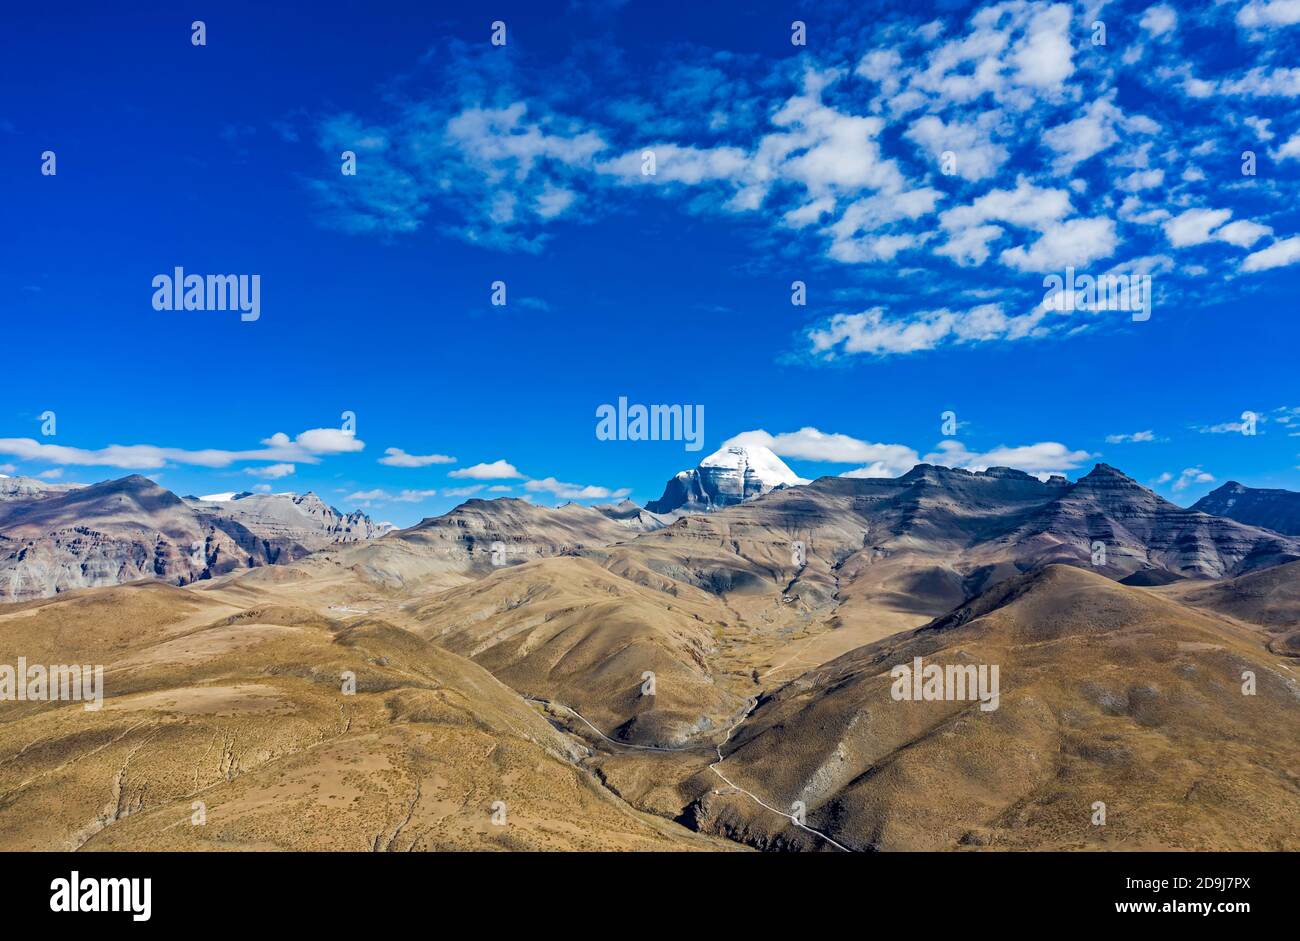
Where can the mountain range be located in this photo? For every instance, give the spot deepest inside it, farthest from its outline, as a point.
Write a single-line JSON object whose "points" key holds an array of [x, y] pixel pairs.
{"points": [[1278, 510], [54, 538], [716, 676]]}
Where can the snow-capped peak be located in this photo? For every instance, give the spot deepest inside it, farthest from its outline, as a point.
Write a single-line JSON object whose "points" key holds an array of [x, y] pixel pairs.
{"points": [[725, 478], [757, 460]]}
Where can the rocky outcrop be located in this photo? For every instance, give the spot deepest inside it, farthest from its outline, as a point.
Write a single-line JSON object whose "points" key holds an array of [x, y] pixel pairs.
{"points": [[22, 489]]}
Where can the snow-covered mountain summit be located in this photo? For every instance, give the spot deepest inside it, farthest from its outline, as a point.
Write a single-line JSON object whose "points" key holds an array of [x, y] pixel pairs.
{"points": [[725, 478]]}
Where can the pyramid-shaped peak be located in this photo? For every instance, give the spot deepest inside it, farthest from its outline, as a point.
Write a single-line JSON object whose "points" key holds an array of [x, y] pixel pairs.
{"points": [[728, 476], [1106, 472]]}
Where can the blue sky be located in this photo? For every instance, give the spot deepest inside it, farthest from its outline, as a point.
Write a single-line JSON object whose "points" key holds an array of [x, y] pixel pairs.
{"points": [[921, 168]]}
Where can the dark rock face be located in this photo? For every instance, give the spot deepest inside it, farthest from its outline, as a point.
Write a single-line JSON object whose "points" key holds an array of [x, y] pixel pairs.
{"points": [[1278, 510]]}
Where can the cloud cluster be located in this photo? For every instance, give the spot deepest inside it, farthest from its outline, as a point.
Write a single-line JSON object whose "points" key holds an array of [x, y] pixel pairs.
{"points": [[892, 460], [306, 448], [990, 137]]}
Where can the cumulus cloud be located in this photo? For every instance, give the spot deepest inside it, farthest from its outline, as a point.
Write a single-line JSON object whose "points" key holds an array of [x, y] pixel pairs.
{"points": [[1189, 477], [810, 444], [497, 470], [1076, 242], [1198, 226]]}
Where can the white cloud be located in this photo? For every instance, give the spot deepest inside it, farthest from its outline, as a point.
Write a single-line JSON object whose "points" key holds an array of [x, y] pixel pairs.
{"points": [[379, 495], [574, 491], [1265, 13], [497, 470], [306, 448], [317, 441], [676, 164], [54, 473], [1061, 240], [870, 332], [1191, 476], [396, 457], [361, 496], [1135, 437], [1260, 126], [1075, 242], [1277, 255], [1043, 458], [1085, 136], [1228, 427], [1159, 20], [1198, 226], [1243, 233], [1027, 206], [970, 246], [810, 444], [829, 153], [1044, 55], [1140, 180], [977, 156], [415, 496], [1289, 150], [881, 66], [273, 472], [502, 140]]}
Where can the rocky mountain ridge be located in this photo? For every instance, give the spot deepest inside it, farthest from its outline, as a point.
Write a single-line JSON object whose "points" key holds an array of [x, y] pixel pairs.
{"points": [[1278, 510], [54, 539]]}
